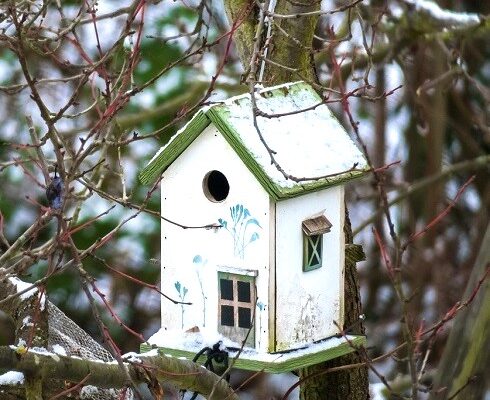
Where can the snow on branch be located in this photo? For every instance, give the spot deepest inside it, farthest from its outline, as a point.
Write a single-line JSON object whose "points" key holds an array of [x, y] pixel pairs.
{"points": [[182, 373], [444, 17]]}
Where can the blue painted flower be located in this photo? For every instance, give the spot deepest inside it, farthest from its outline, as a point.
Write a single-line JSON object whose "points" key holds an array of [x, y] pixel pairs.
{"points": [[240, 228]]}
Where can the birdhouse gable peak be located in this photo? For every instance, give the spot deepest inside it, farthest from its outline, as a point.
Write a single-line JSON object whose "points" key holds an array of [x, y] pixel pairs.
{"points": [[309, 147]]}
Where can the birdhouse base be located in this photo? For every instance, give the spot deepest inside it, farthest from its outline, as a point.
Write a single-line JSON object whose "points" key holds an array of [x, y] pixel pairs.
{"points": [[252, 360]]}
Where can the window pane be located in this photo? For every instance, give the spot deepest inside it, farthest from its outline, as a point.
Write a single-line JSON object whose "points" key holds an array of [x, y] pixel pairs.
{"points": [[314, 260], [244, 291], [227, 316], [309, 247], [226, 289], [315, 241], [244, 317], [318, 247]]}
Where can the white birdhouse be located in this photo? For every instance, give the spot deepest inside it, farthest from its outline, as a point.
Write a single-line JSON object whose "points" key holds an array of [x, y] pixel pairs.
{"points": [[270, 274]]}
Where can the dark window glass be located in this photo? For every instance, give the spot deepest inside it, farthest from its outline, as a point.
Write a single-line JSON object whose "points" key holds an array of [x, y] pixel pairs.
{"points": [[310, 247], [244, 291], [314, 260], [244, 317], [227, 316], [226, 289], [318, 248]]}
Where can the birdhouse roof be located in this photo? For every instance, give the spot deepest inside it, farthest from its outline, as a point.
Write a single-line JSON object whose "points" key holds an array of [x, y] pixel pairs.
{"points": [[304, 137]]}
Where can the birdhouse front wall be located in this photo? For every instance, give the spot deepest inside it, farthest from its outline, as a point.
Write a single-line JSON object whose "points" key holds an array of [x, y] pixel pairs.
{"points": [[222, 271], [309, 300]]}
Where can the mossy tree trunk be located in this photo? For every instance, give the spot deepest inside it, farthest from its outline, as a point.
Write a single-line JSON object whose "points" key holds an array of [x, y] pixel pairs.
{"points": [[290, 59], [288, 52], [463, 372]]}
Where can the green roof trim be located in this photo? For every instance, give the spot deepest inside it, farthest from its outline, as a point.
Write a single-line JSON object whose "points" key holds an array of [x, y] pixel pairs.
{"points": [[218, 116], [174, 148], [235, 114], [293, 360]]}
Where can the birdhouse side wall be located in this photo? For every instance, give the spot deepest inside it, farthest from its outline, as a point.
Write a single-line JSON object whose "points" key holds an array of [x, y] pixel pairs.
{"points": [[194, 259], [308, 302]]}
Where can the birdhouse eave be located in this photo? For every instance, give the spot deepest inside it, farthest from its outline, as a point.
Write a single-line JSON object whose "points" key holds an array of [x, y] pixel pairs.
{"points": [[303, 136]]}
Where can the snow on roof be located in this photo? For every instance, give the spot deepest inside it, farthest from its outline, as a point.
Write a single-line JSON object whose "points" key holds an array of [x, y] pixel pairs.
{"points": [[307, 141], [307, 144]]}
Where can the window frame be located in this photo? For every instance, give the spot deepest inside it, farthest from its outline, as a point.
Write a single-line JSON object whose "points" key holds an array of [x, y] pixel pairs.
{"points": [[316, 243], [235, 332], [314, 229]]}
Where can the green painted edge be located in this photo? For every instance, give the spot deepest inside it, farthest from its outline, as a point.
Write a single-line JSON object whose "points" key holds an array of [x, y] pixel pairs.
{"points": [[218, 115], [174, 148], [306, 266], [292, 364], [322, 183]]}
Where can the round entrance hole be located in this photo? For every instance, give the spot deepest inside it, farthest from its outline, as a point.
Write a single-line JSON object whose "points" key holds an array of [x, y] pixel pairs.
{"points": [[215, 186]]}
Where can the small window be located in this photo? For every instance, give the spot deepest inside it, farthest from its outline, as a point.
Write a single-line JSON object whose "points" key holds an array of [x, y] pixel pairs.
{"points": [[312, 252], [215, 186], [313, 230], [236, 303]]}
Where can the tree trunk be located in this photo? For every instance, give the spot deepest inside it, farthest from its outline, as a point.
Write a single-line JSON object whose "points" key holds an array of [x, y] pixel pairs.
{"points": [[463, 371]]}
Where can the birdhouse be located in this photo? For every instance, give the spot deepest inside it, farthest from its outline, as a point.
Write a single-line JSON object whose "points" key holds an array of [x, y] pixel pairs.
{"points": [[260, 262]]}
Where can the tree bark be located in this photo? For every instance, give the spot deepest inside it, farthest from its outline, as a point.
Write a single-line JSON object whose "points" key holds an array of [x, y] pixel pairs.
{"points": [[243, 15], [184, 374], [290, 49], [463, 371]]}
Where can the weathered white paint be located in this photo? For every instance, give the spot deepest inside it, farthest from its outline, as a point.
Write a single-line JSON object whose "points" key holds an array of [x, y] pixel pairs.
{"points": [[294, 308], [308, 303], [272, 280], [192, 256]]}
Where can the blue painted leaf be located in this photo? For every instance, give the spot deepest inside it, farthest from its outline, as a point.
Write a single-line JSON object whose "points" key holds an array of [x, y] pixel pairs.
{"points": [[222, 222], [185, 291], [246, 213], [254, 237], [197, 259], [177, 286], [254, 222], [236, 213]]}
